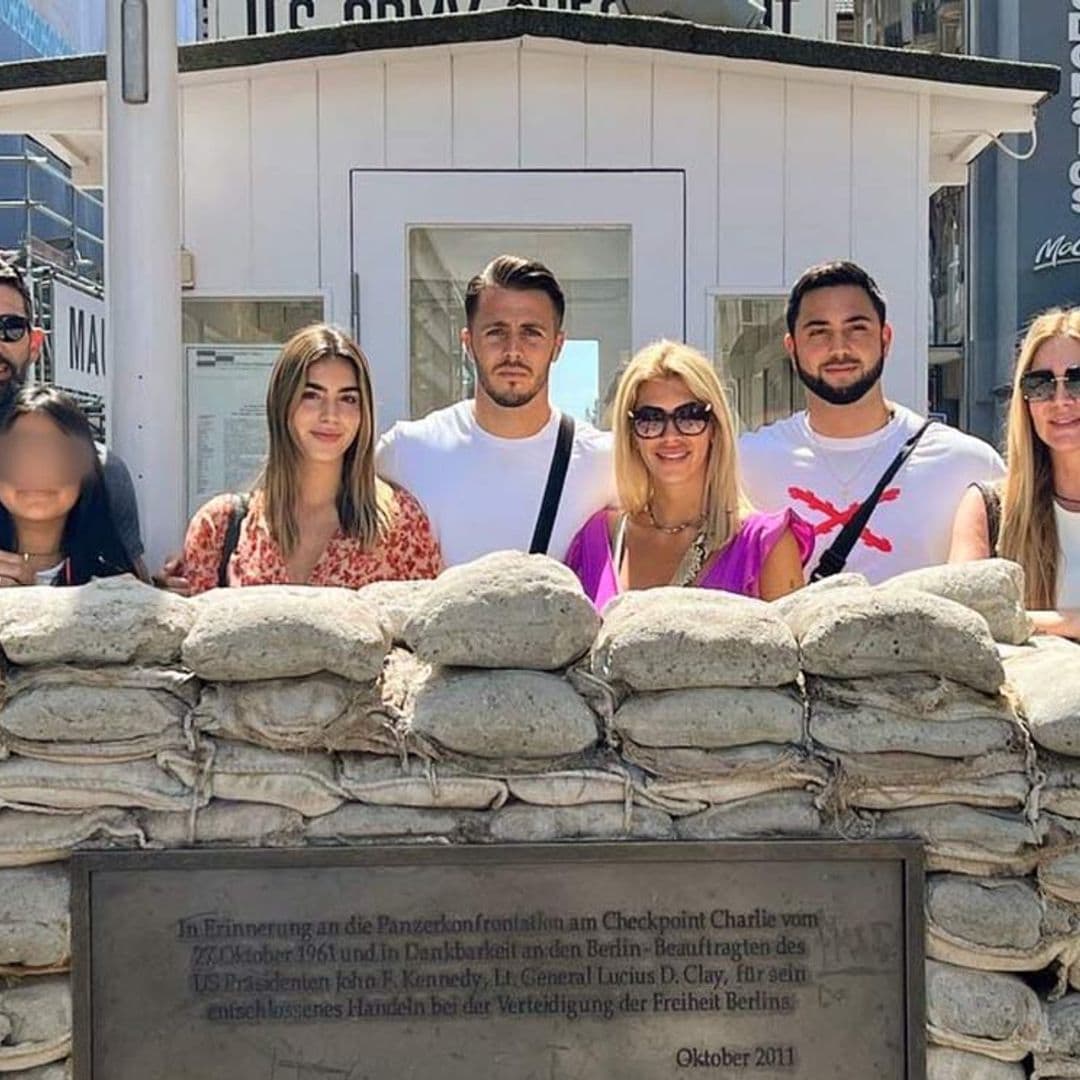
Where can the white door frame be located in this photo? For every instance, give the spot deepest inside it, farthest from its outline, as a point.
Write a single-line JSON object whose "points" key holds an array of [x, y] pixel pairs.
{"points": [[385, 203]]}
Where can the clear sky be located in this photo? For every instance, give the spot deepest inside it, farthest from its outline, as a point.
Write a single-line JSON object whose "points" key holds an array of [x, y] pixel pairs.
{"points": [[575, 379]]}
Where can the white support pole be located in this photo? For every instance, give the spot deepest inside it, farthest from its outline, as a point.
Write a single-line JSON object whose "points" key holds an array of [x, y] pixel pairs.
{"points": [[142, 268]]}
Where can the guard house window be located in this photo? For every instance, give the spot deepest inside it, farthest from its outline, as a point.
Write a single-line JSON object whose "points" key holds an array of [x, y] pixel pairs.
{"points": [[593, 267], [935, 26], [748, 333]]}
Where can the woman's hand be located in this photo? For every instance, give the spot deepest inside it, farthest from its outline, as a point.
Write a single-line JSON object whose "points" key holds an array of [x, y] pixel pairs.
{"points": [[782, 571], [1063, 623], [15, 570]]}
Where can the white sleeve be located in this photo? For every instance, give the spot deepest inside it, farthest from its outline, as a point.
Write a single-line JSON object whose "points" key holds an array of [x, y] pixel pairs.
{"points": [[386, 458]]}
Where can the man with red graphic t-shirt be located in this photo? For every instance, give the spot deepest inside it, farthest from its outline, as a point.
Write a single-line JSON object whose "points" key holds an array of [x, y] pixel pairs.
{"points": [[826, 460]]}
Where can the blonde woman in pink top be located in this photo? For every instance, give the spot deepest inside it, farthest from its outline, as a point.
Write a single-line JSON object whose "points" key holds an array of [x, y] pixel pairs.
{"points": [[683, 518]]}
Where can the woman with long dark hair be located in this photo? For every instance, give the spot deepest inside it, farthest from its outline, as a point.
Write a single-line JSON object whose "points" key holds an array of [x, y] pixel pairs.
{"points": [[317, 514], [54, 509]]}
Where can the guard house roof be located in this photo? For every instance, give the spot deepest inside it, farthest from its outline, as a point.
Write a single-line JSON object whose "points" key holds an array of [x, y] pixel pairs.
{"points": [[973, 100]]}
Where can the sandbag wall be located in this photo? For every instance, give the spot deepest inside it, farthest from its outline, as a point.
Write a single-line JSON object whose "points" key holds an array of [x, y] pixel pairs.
{"points": [[494, 705]]}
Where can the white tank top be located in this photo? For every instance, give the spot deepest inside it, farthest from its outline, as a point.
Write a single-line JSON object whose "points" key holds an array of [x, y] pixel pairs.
{"points": [[1068, 530]]}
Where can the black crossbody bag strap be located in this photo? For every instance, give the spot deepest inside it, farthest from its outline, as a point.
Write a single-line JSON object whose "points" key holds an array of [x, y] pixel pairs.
{"points": [[237, 513], [834, 558], [549, 507]]}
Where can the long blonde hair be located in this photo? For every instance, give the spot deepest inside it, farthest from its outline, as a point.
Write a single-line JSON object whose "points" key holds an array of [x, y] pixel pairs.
{"points": [[364, 502], [1028, 532], [725, 504]]}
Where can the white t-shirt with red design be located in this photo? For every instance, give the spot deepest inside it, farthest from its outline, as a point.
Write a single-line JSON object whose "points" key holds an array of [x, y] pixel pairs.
{"points": [[825, 480]]}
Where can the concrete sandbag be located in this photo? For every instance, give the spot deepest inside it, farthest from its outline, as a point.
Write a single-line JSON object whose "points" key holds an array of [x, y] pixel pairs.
{"points": [[320, 712], [389, 781], [505, 610], [514, 714], [394, 603], [808, 597], [891, 781], [711, 717], [966, 840], [358, 823], [673, 639], [225, 823], [35, 924], [992, 587], [727, 776], [1046, 684], [35, 1022], [996, 924], [913, 713], [27, 838], [856, 632], [116, 620], [984, 1012], [234, 770], [58, 785], [284, 631], [783, 814], [944, 1063], [597, 821], [1058, 1055]]}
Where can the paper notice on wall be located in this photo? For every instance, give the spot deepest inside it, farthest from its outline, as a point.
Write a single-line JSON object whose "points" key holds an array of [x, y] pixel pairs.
{"points": [[226, 421]]}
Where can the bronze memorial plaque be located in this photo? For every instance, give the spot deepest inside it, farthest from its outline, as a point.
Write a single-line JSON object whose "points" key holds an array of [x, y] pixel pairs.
{"points": [[631, 961]]}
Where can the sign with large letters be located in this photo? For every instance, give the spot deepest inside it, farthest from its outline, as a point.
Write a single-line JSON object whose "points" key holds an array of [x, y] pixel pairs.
{"points": [[78, 339], [242, 18], [1049, 195]]}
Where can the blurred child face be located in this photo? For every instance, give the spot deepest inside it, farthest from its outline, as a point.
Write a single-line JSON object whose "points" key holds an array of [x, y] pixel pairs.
{"points": [[41, 469]]}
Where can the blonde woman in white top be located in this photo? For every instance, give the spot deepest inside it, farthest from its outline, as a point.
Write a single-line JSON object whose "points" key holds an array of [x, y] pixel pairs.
{"points": [[1033, 518]]}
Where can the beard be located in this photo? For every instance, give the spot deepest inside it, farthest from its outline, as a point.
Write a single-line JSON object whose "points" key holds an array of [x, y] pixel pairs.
{"points": [[510, 399], [840, 395]]}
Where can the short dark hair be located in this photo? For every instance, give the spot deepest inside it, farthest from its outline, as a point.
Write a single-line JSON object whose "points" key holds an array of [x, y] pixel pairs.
{"points": [[824, 276], [515, 272], [11, 277]]}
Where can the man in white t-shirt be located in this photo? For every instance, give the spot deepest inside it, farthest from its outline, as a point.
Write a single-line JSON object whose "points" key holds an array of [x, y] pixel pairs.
{"points": [[823, 462], [480, 467]]}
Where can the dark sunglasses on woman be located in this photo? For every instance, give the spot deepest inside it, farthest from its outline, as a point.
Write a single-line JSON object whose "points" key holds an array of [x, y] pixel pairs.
{"points": [[1042, 385], [13, 327], [650, 421]]}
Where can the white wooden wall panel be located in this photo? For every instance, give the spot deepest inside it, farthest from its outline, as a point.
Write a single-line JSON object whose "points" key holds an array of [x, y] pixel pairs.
{"points": [[817, 176], [888, 218], [618, 113], [486, 113], [285, 213], [351, 135], [552, 110], [751, 184], [419, 112], [216, 156], [685, 131]]}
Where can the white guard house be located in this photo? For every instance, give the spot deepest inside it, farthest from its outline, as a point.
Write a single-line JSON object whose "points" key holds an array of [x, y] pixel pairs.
{"points": [[676, 178]]}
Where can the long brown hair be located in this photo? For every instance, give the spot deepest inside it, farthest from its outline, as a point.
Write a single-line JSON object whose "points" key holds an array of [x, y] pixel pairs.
{"points": [[1028, 530], [364, 501], [725, 504]]}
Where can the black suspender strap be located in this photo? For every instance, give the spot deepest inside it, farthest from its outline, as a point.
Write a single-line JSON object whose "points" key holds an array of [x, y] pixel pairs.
{"points": [[835, 556], [237, 513], [549, 507]]}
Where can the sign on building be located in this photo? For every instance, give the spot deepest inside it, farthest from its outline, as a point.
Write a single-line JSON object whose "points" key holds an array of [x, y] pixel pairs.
{"points": [[78, 339], [1049, 197], [242, 18]]}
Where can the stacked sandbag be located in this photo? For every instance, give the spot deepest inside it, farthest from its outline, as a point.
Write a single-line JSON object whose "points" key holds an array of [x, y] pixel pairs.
{"points": [[706, 697], [904, 695], [291, 668]]}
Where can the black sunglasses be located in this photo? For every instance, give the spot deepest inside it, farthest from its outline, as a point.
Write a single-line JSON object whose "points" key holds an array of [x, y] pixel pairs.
{"points": [[13, 327], [1042, 385], [650, 421]]}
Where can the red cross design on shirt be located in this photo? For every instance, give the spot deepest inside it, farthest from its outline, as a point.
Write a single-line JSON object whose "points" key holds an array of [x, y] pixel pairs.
{"points": [[834, 518]]}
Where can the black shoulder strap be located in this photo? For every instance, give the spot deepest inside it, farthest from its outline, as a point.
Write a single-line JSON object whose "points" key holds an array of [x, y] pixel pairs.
{"points": [[991, 496], [237, 513], [560, 461], [835, 556]]}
